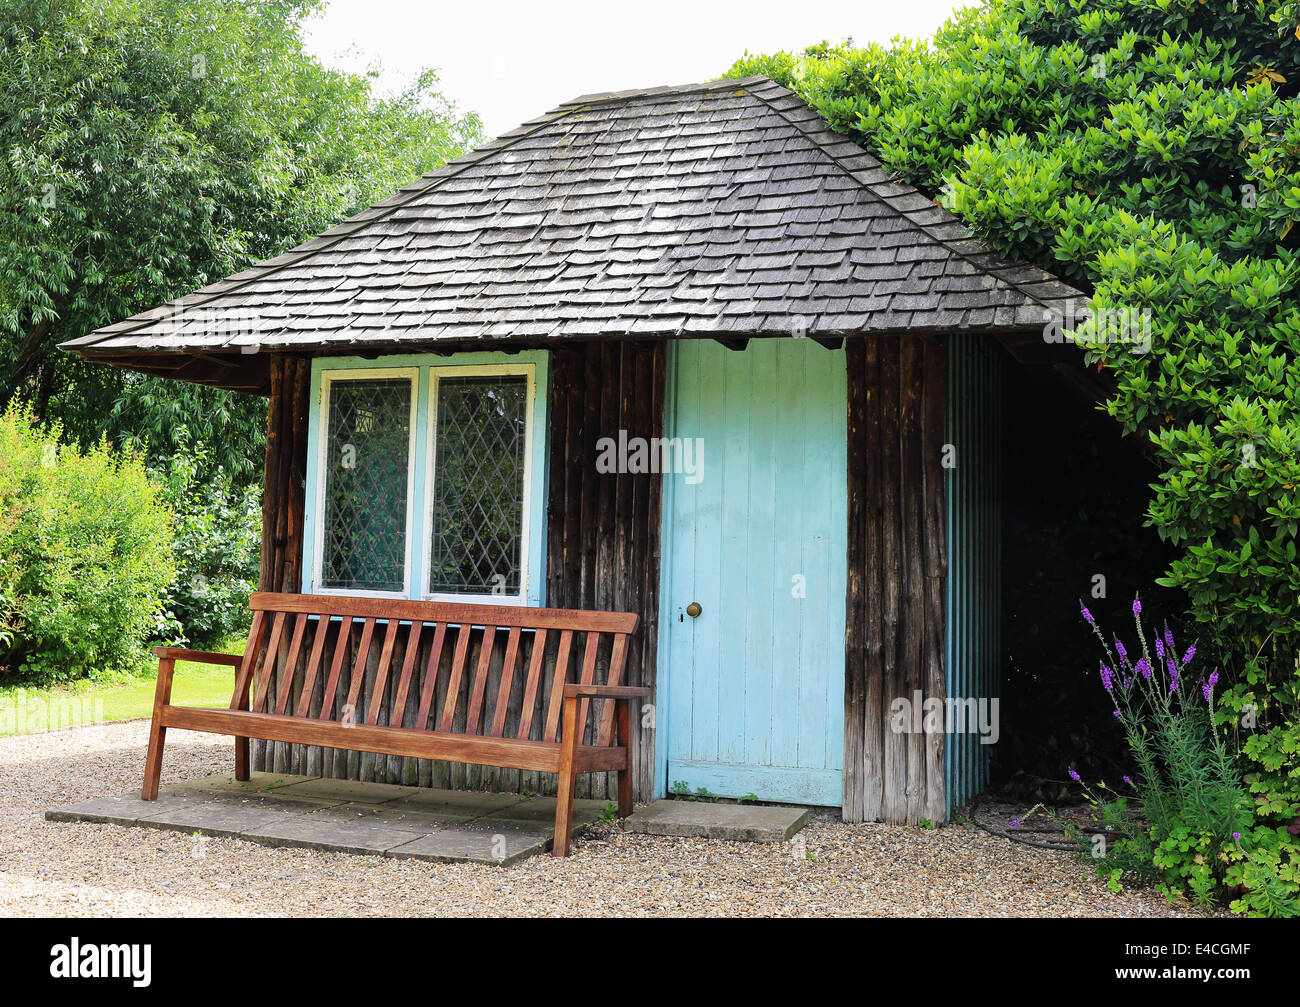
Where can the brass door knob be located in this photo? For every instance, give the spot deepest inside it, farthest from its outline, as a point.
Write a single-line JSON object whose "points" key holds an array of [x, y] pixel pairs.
{"points": [[694, 610]]}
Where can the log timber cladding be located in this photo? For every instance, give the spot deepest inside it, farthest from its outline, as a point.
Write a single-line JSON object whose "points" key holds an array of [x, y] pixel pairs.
{"points": [[788, 347]]}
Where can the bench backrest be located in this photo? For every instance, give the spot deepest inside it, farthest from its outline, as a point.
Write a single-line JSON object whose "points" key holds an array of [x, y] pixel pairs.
{"points": [[310, 655]]}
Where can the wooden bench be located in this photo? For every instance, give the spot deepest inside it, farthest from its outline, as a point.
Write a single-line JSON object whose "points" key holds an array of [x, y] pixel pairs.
{"points": [[297, 627]]}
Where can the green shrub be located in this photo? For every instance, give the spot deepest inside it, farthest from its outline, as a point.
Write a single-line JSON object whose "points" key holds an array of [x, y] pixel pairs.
{"points": [[216, 547], [85, 556]]}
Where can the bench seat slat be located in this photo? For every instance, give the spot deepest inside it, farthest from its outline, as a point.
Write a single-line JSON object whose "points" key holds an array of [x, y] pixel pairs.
{"points": [[457, 671], [431, 676], [588, 676], [359, 671], [474, 717], [552, 731], [291, 663], [381, 675], [312, 671], [507, 679], [342, 644], [269, 659], [508, 753], [408, 669], [535, 665], [617, 660], [239, 698]]}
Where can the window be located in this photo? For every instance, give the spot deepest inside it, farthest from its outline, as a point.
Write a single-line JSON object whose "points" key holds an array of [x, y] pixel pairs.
{"points": [[365, 513], [476, 519], [424, 478]]}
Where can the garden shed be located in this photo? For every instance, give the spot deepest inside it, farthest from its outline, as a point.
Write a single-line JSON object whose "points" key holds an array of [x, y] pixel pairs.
{"points": [[682, 352]]}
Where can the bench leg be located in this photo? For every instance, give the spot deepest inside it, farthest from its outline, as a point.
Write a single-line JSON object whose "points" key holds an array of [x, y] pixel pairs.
{"points": [[162, 695], [240, 702], [623, 736], [241, 758], [564, 792]]}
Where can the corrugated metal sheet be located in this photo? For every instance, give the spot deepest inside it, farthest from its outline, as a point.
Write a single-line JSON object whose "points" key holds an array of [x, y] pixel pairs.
{"points": [[974, 589]]}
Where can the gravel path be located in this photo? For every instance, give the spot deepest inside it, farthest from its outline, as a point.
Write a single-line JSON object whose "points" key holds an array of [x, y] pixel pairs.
{"points": [[75, 869]]}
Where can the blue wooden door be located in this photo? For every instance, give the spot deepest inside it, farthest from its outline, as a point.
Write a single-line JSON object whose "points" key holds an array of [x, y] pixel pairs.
{"points": [[754, 684]]}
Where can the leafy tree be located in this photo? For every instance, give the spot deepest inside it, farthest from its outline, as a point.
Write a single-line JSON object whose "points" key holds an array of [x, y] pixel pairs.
{"points": [[217, 530], [152, 146]]}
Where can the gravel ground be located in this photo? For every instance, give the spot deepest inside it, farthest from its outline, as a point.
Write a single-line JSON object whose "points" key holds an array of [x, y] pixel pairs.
{"points": [[75, 869]]}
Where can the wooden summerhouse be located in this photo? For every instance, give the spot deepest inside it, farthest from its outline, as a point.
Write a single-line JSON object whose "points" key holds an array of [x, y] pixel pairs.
{"points": [[681, 352]]}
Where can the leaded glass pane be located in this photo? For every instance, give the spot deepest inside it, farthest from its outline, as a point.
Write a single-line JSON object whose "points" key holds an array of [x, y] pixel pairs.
{"points": [[366, 472], [478, 490]]}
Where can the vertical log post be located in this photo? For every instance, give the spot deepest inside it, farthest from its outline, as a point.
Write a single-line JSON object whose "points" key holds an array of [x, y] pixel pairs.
{"points": [[283, 508]]}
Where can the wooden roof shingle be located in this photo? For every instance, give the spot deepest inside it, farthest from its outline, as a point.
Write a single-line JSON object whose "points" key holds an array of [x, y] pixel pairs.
{"points": [[725, 210]]}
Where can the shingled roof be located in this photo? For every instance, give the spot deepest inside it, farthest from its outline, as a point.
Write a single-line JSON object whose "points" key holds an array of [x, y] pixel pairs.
{"points": [[724, 210]]}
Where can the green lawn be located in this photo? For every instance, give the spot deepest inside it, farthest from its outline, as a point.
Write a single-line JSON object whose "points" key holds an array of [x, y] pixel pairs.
{"points": [[30, 711]]}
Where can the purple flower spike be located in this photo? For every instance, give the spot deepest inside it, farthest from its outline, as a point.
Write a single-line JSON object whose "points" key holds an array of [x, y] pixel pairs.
{"points": [[1236, 835], [1137, 605], [1191, 653], [1087, 617], [1144, 667], [1123, 654], [1169, 640], [1160, 649], [1173, 675], [1214, 678], [1107, 678], [1074, 776]]}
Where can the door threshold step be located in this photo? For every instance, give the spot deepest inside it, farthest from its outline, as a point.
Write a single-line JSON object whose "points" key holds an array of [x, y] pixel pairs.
{"points": [[754, 823]]}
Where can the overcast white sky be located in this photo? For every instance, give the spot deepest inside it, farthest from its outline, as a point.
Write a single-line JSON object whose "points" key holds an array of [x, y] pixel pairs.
{"points": [[511, 61]]}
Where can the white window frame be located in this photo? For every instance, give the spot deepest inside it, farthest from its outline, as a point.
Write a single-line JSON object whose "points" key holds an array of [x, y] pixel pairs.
{"points": [[327, 380], [529, 372], [425, 370]]}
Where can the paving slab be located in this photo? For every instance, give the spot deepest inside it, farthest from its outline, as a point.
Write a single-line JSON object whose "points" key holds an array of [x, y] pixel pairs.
{"points": [[503, 846], [128, 809], [345, 816], [385, 816], [219, 818], [345, 790], [227, 788], [541, 811], [760, 823], [316, 831], [457, 803], [257, 783]]}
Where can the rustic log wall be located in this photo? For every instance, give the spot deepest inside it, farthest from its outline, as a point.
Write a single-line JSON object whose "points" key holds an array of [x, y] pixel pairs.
{"points": [[285, 474], [602, 551], [897, 565], [283, 500], [603, 528]]}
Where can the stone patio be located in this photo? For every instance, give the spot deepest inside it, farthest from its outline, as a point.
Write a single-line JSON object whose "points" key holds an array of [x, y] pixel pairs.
{"points": [[345, 816]]}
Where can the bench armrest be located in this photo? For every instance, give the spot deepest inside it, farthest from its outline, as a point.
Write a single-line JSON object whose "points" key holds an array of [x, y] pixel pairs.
{"points": [[606, 691], [202, 656]]}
